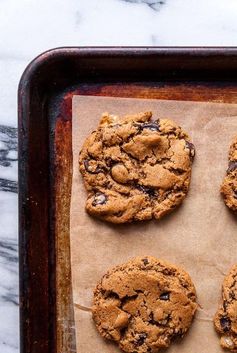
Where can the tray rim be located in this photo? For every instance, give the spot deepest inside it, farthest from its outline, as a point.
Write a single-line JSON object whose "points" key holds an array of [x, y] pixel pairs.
{"points": [[24, 99], [113, 51]]}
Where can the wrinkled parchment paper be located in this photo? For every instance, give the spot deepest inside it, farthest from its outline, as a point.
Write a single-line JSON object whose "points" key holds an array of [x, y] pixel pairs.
{"points": [[200, 235]]}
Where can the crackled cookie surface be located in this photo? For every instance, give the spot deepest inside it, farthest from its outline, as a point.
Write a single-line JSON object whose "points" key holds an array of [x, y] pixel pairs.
{"points": [[144, 304], [229, 184], [135, 168], [226, 317]]}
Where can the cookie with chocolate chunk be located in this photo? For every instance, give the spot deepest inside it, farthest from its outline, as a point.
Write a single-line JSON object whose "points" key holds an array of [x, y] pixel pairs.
{"points": [[225, 320], [135, 168], [229, 184], [144, 304]]}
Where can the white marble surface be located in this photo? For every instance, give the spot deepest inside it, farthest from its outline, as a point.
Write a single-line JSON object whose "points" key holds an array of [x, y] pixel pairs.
{"points": [[28, 27]]}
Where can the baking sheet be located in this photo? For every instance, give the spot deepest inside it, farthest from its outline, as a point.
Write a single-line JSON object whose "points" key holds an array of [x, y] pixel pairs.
{"points": [[200, 235]]}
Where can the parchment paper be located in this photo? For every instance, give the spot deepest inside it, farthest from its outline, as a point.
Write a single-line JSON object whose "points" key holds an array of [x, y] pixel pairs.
{"points": [[200, 235]]}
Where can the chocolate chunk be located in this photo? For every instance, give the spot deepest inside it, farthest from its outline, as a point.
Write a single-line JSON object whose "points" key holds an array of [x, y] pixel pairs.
{"points": [[145, 261], [99, 199], [115, 126], [110, 162], [225, 323], [149, 191], [153, 126], [191, 148], [92, 169], [232, 166], [151, 319], [165, 296], [177, 335], [123, 331], [118, 214], [141, 339], [110, 294]]}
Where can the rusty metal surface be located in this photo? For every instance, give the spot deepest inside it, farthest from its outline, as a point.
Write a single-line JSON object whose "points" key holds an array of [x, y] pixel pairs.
{"points": [[45, 158]]}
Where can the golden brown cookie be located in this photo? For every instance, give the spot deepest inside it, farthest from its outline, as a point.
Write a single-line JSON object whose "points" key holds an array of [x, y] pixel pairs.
{"points": [[134, 168], [226, 317], [144, 304], [229, 184]]}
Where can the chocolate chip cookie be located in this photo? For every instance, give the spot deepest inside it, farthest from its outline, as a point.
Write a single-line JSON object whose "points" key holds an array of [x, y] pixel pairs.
{"points": [[144, 305], [226, 317], [135, 168], [229, 184]]}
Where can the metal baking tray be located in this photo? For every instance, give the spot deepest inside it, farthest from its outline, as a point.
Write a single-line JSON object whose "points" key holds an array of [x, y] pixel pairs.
{"points": [[45, 159]]}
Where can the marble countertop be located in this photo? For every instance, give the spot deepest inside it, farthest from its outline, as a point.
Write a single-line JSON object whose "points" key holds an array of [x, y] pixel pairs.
{"points": [[29, 27]]}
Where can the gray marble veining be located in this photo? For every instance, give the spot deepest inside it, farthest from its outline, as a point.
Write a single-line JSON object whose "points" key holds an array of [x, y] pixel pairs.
{"points": [[154, 5], [9, 298]]}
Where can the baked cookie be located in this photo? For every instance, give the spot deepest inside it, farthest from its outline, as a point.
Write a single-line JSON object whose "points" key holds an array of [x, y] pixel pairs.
{"points": [[144, 305], [229, 184], [226, 317], [135, 168]]}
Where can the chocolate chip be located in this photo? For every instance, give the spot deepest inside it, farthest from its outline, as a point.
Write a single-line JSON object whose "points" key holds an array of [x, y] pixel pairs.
{"points": [[191, 148], [235, 194], [153, 126], [110, 294], [232, 166], [147, 190], [123, 331], [110, 162], [141, 338], [99, 199], [165, 296], [177, 335], [225, 323], [145, 261], [151, 319], [116, 126], [118, 214], [92, 168]]}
